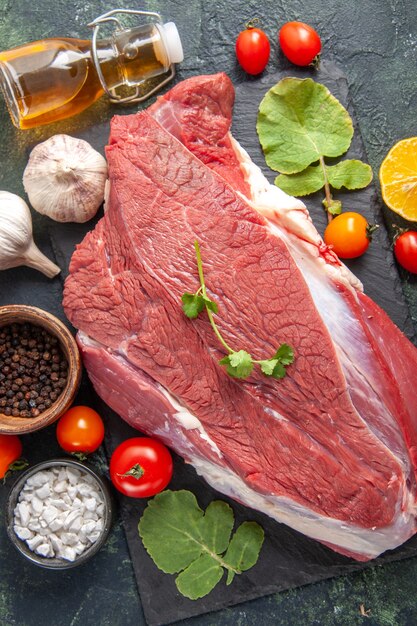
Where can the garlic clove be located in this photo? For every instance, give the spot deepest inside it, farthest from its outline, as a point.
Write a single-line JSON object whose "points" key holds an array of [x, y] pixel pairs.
{"points": [[37, 260], [16, 240], [65, 179]]}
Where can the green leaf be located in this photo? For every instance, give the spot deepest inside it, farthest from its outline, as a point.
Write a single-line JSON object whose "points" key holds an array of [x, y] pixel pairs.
{"points": [[199, 578], [267, 366], [238, 364], [308, 181], [351, 174], [169, 529], [245, 546], [334, 207], [275, 366], [285, 354], [279, 371], [272, 367], [230, 576], [179, 537], [192, 304], [216, 526], [298, 122], [210, 304]]}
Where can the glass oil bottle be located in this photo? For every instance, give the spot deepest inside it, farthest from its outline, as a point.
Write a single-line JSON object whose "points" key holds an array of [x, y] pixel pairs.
{"points": [[52, 79]]}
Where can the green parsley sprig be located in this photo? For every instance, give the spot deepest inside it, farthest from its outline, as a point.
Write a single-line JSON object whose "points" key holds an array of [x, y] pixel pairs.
{"points": [[238, 363]]}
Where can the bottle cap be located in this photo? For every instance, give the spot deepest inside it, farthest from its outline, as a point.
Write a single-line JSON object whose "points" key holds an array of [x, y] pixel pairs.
{"points": [[173, 42]]}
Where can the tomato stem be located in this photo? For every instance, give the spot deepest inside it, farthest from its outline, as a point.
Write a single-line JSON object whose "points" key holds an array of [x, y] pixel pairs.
{"points": [[398, 231], [370, 229], [252, 23], [136, 471], [16, 466], [81, 456], [315, 63]]}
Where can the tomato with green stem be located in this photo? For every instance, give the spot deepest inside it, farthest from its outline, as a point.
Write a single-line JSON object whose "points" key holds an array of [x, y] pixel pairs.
{"points": [[80, 430], [349, 235], [141, 467], [300, 43], [10, 455], [405, 250], [252, 49]]}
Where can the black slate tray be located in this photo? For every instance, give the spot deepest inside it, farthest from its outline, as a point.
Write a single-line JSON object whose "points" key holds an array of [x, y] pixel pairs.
{"points": [[288, 559]]}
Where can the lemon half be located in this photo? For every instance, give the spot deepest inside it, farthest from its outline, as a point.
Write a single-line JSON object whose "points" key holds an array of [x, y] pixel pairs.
{"points": [[398, 178]]}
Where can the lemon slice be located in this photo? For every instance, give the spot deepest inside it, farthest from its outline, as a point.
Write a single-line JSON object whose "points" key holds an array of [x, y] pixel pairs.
{"points": [[398, 178]]}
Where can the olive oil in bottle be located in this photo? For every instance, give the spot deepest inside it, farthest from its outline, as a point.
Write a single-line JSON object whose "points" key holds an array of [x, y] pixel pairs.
{"points": [[52, 79]]}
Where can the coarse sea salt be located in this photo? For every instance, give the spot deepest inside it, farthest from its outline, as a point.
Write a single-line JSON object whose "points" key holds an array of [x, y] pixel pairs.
{"points": [[59, 512]]}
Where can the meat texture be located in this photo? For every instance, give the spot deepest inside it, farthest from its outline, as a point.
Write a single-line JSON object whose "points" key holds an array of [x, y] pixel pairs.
{"points": [[330, 449]]}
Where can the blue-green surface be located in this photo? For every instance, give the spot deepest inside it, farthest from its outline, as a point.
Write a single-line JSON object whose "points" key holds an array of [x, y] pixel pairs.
{"points": [[375, 43]]}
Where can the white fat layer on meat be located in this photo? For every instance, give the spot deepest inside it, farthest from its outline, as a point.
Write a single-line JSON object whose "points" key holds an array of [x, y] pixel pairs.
{"points": [[188, 420], [275, 414], [106, 194], [357, 361], [289, 217], [181, 414], [368, 542], [290, 214]]}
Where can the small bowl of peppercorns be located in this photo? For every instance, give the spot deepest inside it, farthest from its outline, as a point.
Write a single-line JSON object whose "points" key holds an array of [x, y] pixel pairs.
{"points": [[40, 369]]}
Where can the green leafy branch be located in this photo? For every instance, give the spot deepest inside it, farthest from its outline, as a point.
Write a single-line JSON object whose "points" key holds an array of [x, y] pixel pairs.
{"points": [[239, 363], [198, 546], [299, 124]]}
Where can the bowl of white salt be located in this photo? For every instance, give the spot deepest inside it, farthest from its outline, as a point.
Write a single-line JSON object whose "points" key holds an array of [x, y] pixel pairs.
{"points": [[59, 513]]}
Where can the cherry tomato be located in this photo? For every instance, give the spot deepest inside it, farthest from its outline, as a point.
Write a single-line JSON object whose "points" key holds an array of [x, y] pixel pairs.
{"points": [[299, 42], [80, 430], [348, 234], [10, 451], [141, 467], [252, 50], [405, 250]]}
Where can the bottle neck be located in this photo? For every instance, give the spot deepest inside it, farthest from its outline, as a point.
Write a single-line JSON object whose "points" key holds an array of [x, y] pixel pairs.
{"points": [[132, 56]]}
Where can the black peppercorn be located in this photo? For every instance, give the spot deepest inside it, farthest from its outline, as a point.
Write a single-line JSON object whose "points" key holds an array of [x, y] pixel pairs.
{"points": [[33, 370]]}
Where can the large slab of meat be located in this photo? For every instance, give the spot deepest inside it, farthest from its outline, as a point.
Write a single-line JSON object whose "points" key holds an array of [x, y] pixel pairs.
{"points": [[329, 450]]}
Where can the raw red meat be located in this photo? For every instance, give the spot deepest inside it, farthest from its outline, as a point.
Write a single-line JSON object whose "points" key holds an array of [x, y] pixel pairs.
{"points": [[331, 448]]}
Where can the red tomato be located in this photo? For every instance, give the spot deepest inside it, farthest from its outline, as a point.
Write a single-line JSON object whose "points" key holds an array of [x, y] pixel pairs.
{"points": [[80, 430], [348, 234], [141, 467], [405, 250], [299, 42], [252, 50], [10, 451]]}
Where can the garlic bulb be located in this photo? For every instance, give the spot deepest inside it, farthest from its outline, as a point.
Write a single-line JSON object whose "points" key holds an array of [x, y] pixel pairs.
{"points": [[65, 179], [16, 242]]}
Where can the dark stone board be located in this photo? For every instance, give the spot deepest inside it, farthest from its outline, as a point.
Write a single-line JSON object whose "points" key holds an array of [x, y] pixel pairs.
{"points": [[288, 559], [376, 268]]}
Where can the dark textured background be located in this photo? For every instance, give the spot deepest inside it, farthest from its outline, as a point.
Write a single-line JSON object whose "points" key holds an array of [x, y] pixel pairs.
{"points": [[374, 42]]}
